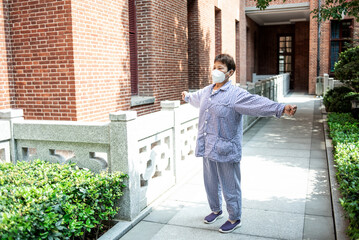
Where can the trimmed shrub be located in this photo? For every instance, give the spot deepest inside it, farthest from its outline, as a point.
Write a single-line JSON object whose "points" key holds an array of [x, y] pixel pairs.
{"points": [[344, 130], [347, 68], [42, 200], [335, 100]]}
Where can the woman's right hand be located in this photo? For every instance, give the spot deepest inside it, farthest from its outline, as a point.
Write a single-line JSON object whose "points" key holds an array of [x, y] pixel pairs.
{"points": [[184, 93]]}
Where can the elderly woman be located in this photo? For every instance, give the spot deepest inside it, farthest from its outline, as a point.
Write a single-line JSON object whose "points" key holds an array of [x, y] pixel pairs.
{"points": [[219, 139]]}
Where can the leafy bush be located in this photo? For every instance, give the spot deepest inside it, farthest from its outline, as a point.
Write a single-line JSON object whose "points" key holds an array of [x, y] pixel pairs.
{"points": [[347, 68], [41, 200], [344, 130], [335, 100]]}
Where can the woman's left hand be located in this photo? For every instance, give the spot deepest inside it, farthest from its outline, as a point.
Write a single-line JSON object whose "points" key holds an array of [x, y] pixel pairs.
{"points": [[290, 109]]}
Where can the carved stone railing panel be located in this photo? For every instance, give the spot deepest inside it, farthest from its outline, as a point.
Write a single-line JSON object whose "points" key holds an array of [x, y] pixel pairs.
{"points": [[84, 155], [188, 138], [155, 166]]}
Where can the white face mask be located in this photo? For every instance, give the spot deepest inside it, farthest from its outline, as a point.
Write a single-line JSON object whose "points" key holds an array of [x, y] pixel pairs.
{"points": [[218, 76]]}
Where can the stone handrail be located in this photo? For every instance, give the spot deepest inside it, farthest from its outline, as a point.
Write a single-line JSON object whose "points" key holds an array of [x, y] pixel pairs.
{"points": [[325, 83]]}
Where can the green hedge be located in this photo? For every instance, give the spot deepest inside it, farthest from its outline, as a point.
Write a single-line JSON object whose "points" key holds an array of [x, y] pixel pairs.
{"points": [[41, 200], [336, 100], [344, 130]]}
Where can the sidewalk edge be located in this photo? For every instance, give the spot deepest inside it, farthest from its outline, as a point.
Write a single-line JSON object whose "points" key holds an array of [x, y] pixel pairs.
{"points": [[340, 222], [122, 227]]}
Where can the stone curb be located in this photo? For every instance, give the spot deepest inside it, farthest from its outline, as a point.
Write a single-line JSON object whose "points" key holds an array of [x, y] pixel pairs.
{"points": [[340, 222], [122, 227]]}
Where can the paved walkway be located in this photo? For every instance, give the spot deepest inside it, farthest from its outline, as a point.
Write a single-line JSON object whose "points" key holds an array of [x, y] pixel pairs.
{"points": [[284, 182]]}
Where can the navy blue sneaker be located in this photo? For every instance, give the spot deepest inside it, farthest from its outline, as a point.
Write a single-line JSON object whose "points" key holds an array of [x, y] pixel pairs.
{"points": [[211, 218], [228, 227]]}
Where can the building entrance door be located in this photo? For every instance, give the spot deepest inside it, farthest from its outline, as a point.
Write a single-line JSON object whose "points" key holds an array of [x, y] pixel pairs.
{"points": [[285, 55]]}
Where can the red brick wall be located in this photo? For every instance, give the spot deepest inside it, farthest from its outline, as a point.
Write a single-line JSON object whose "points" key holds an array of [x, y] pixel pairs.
{"points": [[101, 58], [325, 48], [193, 32], [218, 31], [301, 56], [206, 41], [238, 52], [162, 51], [252, 48], [230, 14], [313, 44], [4, 77], [242, 43], [41, 48]]}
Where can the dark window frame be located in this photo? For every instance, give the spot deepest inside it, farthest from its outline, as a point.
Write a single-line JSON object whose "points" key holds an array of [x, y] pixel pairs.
{"points": [[286, 53], [341, 40]]}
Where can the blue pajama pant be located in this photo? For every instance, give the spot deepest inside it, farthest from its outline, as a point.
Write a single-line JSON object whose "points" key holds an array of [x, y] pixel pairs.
{"points": [[223, 177]]}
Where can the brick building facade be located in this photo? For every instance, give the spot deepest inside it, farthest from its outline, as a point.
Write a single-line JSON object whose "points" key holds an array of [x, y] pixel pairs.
{"points": [[81, 60]]}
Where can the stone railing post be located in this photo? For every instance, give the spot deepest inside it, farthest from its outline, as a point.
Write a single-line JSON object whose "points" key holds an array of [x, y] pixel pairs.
{"points": [[173, 106], [123, 157], [12, 115], [276, 88], [325, 83], [331, 83]]}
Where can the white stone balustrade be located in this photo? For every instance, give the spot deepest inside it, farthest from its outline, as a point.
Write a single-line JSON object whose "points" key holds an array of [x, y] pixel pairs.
{"points": [[327, 83]]}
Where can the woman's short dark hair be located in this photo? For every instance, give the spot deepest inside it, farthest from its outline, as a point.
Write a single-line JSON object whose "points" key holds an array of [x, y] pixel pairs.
{"points": [[227, 60]]}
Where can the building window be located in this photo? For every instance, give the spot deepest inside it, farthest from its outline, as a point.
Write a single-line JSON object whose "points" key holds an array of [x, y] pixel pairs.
{"points": [[341, 33], [218, 30], [285, 54], [133, 46]]}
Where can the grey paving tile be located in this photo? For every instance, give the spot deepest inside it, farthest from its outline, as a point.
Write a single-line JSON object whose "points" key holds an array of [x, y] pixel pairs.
{"points": [[190, 193], [171, 232], [274, 201], [164, 212], [317, 145], [272, 224], [193, 215], [285, 132], [143, 230], [260, 144], [320, 163], [318, 227], [265, 179], [317, 141], [197, 179], [318, 154], [318, 136], [318, 205], [318, 183], [301, 162], [255, 151], [281, 139]]}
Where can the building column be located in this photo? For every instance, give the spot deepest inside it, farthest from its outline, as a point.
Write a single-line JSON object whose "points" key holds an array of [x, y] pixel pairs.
{"points": [[313, 49], [242, 43]]}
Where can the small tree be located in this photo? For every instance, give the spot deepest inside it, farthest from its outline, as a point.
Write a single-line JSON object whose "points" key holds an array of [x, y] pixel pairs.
{"points": [[347, 68]]}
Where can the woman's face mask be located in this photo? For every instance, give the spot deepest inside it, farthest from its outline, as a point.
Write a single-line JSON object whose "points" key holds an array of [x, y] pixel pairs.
{"points": [[218, 76]]}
